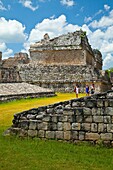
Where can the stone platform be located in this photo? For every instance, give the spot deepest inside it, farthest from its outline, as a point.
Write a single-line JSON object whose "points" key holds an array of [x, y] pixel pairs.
{"points": [[11, 91]]}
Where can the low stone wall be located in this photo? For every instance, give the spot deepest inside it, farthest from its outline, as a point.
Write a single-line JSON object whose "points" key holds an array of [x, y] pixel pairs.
{"points": [[12, 91], [4, 98], [82, 119]]}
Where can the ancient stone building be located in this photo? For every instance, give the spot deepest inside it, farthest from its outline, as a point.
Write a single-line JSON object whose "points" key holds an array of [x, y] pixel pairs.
{"points": [[8, 67], [19, 58], [69, 49], [62, 62]]}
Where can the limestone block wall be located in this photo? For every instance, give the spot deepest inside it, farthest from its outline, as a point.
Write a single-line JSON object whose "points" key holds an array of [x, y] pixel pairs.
{"points": [[72, 57], [9, 75], [61, 77], [83, 119]]}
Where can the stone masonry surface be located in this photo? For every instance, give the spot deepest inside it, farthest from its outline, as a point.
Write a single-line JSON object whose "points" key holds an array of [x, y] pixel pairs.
{"points": [[10, 91], [83, 119]]}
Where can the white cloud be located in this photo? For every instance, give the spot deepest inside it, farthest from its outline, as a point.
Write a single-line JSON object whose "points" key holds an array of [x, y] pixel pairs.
{"points": [[106, 7], [108, 61], [6, 52], [87, 19], [97, 13], [2, 7], [49, 26], [28, 4], [107, 47], [67, 2], [14, 32], [105, 21]]}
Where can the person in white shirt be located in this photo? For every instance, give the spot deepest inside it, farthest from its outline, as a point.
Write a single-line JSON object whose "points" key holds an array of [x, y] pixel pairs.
{"points": [[76, 90]]}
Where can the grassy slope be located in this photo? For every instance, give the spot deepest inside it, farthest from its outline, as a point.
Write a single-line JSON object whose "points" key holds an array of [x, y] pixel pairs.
{"points": [[7, 110], [39, 154]]}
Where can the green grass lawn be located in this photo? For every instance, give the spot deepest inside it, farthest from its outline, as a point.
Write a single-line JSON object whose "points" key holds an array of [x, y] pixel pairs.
{"points": [[37, 154]]}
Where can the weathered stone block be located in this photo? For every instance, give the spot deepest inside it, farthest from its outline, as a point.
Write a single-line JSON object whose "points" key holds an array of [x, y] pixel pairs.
{"points": [[74, 135], [76, 104], [68, 106], [50, 110], [100, 103], [96, 111], [79, 111], [54, 118], [60, 118], [41, 133], [12, 131], [110, 94], [31, 116], [111, 103], [87, 111], [92, 136], [43, 126], [102, 127], [98, 119], [59, 111], [23, 133], [32, 133], [106, 103], [67, 135], [88, 119], [94, 127], [67, 126], [68, 112], [75, 126], [33, 125], [69, 118], [79, 118], [60, 126], [46, 118], [52, 126], [81, 135], [109, 111], [59, 135], [90, 103], [24, 124], [106, 136], [86, 126], [39, 117], [107, 119], [50, 134], [110, 128]]}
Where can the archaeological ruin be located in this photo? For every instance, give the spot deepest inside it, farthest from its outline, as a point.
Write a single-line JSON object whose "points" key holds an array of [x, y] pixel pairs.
{"points": [[58, 64], [84, 119]]}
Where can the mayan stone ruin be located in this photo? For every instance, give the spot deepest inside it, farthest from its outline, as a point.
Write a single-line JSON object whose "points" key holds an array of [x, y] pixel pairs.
{"points": [[88, 119], [57, 64]]}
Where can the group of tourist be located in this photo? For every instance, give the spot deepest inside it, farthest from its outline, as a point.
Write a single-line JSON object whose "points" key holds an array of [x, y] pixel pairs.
{"points": [[88, 90]]}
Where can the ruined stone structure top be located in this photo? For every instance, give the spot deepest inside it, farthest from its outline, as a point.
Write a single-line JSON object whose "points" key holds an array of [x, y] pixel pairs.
{"points": [[19, 58], [71, 49], [58, 64]]}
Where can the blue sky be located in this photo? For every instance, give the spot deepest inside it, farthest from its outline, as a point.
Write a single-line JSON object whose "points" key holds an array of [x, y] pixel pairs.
{"points": [[23, 22]]}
